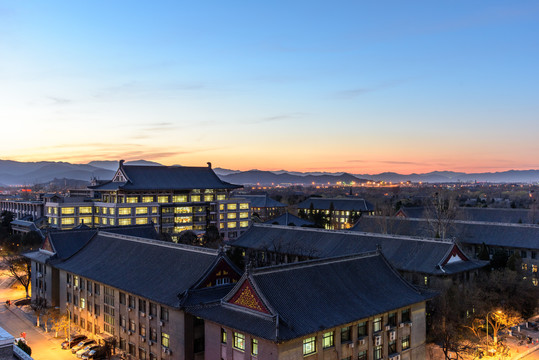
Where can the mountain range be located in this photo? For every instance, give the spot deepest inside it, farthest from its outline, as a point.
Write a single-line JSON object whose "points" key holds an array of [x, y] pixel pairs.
{"points": [[30, 173]]}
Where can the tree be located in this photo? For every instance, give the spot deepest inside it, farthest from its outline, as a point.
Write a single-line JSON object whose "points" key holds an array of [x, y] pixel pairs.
{"points": [[31, 239], [483, 253], [441, 213], [20, 268], [24, 347], [514, 262], [39, 305], [212, 238], [188, 237], [499, 259], [60, 323]]}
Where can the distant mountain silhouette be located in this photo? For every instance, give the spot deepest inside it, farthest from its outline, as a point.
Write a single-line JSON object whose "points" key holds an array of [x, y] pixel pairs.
{"points": [[29, 173]]}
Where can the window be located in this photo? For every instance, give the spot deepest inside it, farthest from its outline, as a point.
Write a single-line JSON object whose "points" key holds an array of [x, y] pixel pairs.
{"points": [[195, 198], [141, 354], [147, 199], [244, 224], [68, 211], [164, 314], [90, 306], [131, 302], [244, 206], [362, 355], [327, 340], [109, 296], [231, 215], [82, 323], [377, 324], [534, 269], [232, 225], [75, 280], [153, 334], [85, 210], [309, 346], [142, 305], [378, 352], [392, 319], [524, 266], [132, 349], [345, 334], [131, 199], [406, 342], [221, 197], [392, 347], [68, 278], [124, 221], [82, 303], [232, 206], [82, 283], [122, 298], [132, 325], [534, 254], [254, 347], [244, 215], [223, 336], [183, 210], [153, 309], [68, 299], [97, 310], [68, 221], [165, 340], [141, 210], [90, 326], [124, 211], [75, 319], [208, 197], [153, 356], [362, 329], [142, 330], [239, 341], [523, 254], [89, 285], [97, 289], [405, 315], [75, 300], [122, 344], [141, 221], [162, 199], [179, 198], [123, 322]]}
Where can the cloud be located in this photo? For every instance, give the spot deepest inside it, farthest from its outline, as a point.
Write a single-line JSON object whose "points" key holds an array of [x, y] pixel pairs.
{"points": [[59, 100], [274, 118]]}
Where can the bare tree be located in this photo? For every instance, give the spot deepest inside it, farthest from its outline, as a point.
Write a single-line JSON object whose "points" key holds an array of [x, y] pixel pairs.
{"points": [[20, 268], [39, 305], [441, 213]]}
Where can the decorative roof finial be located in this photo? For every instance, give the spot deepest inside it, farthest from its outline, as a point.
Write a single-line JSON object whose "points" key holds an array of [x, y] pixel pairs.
{"points": [[209, 164], [122, 163]]}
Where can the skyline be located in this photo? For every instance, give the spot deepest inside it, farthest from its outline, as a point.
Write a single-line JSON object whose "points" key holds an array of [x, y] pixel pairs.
{"points": [[360, 88]]}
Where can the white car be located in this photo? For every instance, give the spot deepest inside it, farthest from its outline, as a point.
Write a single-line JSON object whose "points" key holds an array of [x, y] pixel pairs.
{"points": [[86, 349]]}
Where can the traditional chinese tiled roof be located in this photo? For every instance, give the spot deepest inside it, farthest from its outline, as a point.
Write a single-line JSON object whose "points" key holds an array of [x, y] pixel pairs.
{"points": [[495, 215], [346, 204], [140, 177], [288, 219], [293, 300], [522, 236], [406, 253], [261, 201]]}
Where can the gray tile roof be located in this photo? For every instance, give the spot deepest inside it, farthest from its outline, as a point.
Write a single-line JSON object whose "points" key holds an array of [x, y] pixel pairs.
{"points": [[288, 218], [261, 201], [152, 269], [300, 294], [467, 232], [404, 252], [167, 178], [347, 204], [497, 215]]}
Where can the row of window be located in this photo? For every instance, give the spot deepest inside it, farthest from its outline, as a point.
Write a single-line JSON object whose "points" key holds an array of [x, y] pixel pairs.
{"points": [[309, 346], [163, 199], [131, 349], [239, 342]]}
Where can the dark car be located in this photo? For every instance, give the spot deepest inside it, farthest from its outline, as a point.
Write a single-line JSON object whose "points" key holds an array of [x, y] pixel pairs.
{"points": [[82, 344], [74, 341], [95, 354]]}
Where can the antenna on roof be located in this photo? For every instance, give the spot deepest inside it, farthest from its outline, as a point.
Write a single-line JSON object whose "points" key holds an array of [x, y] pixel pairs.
{"points": [[209, 164]]}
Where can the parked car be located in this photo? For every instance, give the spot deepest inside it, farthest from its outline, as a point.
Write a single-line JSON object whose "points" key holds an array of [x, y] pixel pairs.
{"points": [[82, 344], [96, 354], [74, 341], [86, 349]]}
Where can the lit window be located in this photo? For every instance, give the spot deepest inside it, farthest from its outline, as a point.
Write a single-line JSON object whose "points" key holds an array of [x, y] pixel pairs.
{"points": [[244, 215], [254, 347], [244, 224], [85, 210], [131, 199], [232, 206], [162, 199], [179, 198], [534, 268], [124, 221], [221, 225], [141, 221], [524, 266], [378, 352], [377, 324], [406, 342], [165, 340], [327, 340], [244, 206], [147, 199], [221, 207], [124, 211], [223, 336], [183, 210], [362, 355], [231, 225], [182, 219], [179, 229], [309, 346], [195, 198], [141, 210], [231, 215], [208, 197], [82, 303], [85, 220], [111, 221], [104, 221], [239, 341], [221, 197], [68, 221], [68, 211]]}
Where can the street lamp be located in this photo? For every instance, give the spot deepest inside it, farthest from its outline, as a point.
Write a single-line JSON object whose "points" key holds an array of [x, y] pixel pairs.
{"points": [[490, 312]]}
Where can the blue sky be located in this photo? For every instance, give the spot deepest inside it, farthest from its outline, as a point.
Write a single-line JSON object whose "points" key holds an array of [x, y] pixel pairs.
{"points": [[355, 86]]}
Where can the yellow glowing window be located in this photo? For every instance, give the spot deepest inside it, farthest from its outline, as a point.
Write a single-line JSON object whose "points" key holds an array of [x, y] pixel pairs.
{"points": [[124, 211], [221, 207], [208, 197], [55, 221], [221, 226], [231, 215], [182, 219], [140, 221], [85, 220], [154, 210], [232, 206], [68, 221], [111, 211], [183, 210], [154, 220], [231, 225], [147, 199], [195, 198], [104, 221], [179, 229], [244, 206], [221, 197], [85, 210], [244, 215], [141, 210], [179, 198], [68, 211], [131, 199], [96, 220], [56, 211], [162, 199], [534, 268], [221, 216], [111, 221], [244, 224], [124, 221]]}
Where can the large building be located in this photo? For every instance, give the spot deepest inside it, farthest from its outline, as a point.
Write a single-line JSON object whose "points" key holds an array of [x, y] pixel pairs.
{"points": [[522, 239], [160, 300], [174, 199], [263, 207], [342, 213], [425, 262]]}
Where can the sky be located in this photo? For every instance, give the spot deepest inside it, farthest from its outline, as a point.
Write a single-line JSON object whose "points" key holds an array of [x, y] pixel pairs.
{"points": [[356, 86]]}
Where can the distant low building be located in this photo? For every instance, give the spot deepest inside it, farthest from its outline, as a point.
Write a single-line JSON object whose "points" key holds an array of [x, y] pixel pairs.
{"points": [[494, 215], [289, 220], [342, 213], [264, 207]]}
